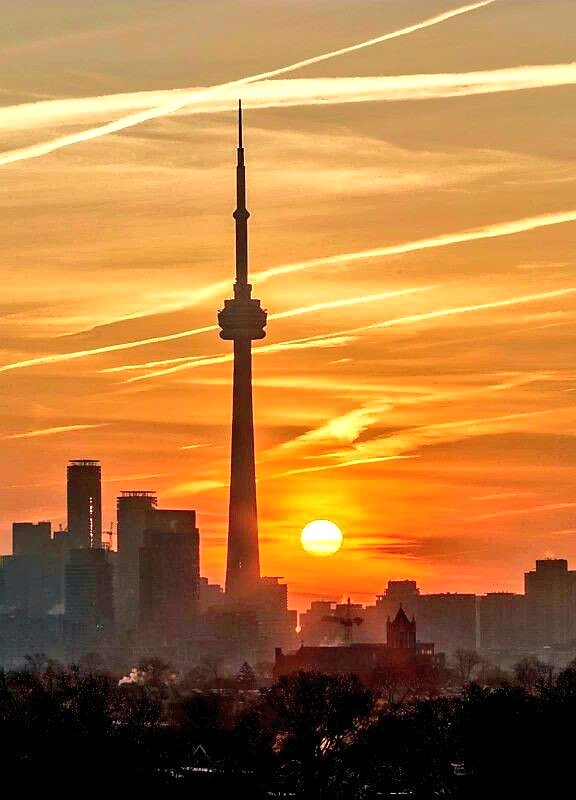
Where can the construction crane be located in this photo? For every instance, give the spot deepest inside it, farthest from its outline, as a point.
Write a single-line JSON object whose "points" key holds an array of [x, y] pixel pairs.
{"points": [[110, 536], [348, 622]]}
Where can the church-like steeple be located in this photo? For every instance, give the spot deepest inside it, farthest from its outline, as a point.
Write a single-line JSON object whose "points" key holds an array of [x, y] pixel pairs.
{"points": [[401, 631]]}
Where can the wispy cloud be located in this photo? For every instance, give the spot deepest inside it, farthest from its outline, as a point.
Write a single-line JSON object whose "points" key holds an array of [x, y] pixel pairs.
{"points": [[348, 427], [411, 440], [520, 512], [175, 104], [194, 487], [343, 429]]}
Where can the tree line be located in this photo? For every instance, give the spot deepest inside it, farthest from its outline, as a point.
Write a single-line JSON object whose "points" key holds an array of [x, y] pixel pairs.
{"points": [[309, 735]]}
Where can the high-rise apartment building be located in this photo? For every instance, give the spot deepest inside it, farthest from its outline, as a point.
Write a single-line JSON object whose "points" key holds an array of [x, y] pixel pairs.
{"points": [[84, 496]]}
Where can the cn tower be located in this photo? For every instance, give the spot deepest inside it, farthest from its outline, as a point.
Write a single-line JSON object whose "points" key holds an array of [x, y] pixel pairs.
{"points": [[241, 320]]}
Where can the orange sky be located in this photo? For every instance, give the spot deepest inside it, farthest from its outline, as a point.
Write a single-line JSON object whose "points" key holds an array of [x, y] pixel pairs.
{"points": [[417, 385]]}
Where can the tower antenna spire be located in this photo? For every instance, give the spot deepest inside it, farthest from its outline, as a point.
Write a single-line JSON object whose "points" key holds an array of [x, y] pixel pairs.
{"points": [[242, 288], [240, 138]]}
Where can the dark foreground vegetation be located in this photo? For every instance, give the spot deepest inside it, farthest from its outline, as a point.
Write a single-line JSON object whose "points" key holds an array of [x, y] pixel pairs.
{"points": [[310, 736]]}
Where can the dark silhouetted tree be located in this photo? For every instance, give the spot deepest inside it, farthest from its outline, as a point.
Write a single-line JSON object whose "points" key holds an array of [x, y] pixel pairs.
{"points": [[246, 677]]}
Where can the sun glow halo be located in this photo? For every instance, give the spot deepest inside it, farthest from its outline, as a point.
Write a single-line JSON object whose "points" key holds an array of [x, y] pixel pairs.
{"points": [[321, 538]]}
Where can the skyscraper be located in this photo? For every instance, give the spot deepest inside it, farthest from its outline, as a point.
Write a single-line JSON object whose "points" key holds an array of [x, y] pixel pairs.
{"points": [[241, 320], [84, 491]]}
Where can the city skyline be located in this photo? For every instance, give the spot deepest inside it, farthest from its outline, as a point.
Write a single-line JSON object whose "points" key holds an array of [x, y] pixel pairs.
{"points": [[420, 397]]}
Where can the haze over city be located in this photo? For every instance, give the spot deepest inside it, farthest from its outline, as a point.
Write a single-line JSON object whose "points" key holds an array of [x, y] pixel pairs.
{"points": [[412, 234]]}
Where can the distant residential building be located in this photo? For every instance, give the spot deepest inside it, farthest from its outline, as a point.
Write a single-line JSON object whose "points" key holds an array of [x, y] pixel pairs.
{"points": [[551, 603], [88, 601], [276, 623], [398, 593], [169, 579], [22, 635], [31, 580], [31, 538], [211, 595], [134, 513], [503, 622], [317, 626], [449, 620]]}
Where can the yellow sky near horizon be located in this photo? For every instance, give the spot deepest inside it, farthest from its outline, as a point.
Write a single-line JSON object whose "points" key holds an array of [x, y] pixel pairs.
{"points": [[412, 237]]}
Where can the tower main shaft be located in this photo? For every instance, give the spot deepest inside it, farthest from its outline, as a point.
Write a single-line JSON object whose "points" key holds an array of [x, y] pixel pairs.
{"points": [[241, 320]]}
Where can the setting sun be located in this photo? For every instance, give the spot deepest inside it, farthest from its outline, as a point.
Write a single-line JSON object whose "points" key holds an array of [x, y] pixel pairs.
{"points": [[321, 538]]}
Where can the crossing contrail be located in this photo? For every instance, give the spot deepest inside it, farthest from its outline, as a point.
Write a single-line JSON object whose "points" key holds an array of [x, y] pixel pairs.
{"points": [[293, 312], [343, 337], [295, 92], [45, 148], [494, 231]]}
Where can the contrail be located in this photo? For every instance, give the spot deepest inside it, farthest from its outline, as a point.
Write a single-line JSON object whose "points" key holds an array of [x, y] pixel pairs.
{"points": [[354, 462], [477, 234], [310, 342], [45, 148], [51, 431], [112, 348], [449, 312], [278, 93], [292, 312], [338, 338], [350, 301], [494, 231], [201, 361]]}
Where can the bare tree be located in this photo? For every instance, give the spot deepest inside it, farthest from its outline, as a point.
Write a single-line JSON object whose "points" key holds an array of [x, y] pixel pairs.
{"points": [[466, 663]]}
